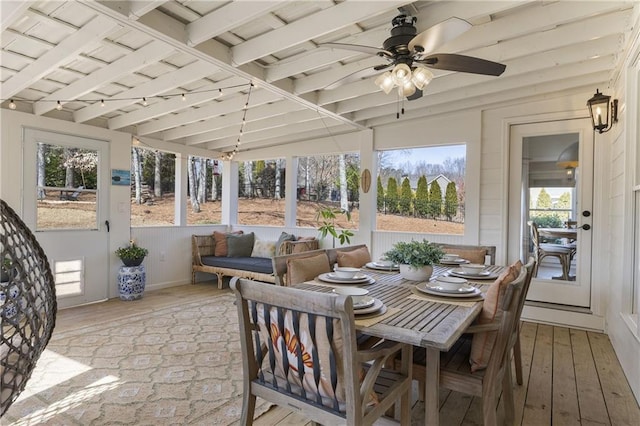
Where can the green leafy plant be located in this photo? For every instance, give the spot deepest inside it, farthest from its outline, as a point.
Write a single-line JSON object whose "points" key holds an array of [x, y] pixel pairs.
{"points": [[415, 253], [131, 252], [326, 218]]}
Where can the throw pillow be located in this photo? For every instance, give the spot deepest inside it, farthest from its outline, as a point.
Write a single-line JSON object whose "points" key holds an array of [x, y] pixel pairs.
{"points": [[355, 258], [305, 244], [262, 248], [220, 241], [240, 245], [284, 237], [482, 343], [304, 269]]}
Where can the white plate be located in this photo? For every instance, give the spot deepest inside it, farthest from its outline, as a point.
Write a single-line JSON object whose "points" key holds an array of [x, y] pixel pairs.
{"points": [[366, 302], [377, 304], [426, 288], [461, 290], [486, 275], [330, 277], [374, 265], [453, 262]]}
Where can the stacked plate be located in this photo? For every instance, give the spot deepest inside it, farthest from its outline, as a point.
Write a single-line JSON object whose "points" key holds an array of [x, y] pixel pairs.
{"points": [[363, 304], [484, 275], [359, 278], [383, 266], [456, 261], [434, 289]]}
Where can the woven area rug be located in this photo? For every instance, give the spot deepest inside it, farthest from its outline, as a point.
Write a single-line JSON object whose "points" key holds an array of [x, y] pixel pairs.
{"points": [[178, 365]]}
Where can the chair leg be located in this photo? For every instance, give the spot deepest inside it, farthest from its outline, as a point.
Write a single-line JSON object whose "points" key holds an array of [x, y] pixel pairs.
{"points": [[507, 396], [517, 358], [489, 407], [248, 408]]}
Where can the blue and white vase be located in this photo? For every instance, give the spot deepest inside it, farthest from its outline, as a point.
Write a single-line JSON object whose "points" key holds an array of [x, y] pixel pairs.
{"points": [[131, 282]]}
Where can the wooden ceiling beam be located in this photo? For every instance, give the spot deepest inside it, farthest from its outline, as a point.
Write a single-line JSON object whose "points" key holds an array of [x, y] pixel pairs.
{"points": [[71, 46], [307, 28], [10, 11]]}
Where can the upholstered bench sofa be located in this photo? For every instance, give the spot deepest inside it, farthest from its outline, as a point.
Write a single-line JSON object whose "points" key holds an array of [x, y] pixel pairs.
{"points": [[231, 254]]}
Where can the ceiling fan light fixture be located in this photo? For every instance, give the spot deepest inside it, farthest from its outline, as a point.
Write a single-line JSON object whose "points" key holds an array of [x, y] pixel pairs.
{"points": [[421, 76], [401, 74], [385, 82], [407, 89]]}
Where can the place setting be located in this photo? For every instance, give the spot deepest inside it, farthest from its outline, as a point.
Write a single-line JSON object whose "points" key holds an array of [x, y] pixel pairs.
{"points": [[346, 275], [473, 271], [451, 290], [383, 265], [363, 303], [453, 259]]}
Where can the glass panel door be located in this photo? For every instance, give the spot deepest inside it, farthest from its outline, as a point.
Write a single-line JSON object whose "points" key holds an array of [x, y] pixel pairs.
{"points": [[550, 197]]}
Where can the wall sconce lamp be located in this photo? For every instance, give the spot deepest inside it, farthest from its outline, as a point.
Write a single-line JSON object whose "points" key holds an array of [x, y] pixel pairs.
{"points": [[599, 105]]}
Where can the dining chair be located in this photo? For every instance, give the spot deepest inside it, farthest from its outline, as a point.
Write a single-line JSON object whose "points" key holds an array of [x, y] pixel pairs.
{"points": [[474, 254], [517, 352], [542, 250], [299, 350], [495, 339]]}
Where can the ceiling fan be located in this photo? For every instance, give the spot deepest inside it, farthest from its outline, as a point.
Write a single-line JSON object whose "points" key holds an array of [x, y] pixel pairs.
{"points": [[409, 56]]}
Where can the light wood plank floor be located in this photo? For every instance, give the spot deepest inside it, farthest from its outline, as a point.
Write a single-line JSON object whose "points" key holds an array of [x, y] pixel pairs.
{"points": [[572, 377]]}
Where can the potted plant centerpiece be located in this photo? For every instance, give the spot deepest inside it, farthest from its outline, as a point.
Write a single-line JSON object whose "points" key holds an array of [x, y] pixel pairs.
{"points": [[415, 258], [132, 255]]}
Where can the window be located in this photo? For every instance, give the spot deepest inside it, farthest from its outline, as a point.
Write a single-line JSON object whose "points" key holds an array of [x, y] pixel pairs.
{"points": [[261, 192], [205, 191], [152, 187], [422, 190], [328, 181], [66, 187]]}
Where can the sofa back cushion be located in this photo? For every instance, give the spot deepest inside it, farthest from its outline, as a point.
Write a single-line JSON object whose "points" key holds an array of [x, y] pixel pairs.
{"points": [[220, 239], [240, 245], [263, 248]]}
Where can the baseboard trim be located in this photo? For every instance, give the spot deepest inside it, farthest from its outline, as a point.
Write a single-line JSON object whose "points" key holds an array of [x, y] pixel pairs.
{"points": [[554, 315]]}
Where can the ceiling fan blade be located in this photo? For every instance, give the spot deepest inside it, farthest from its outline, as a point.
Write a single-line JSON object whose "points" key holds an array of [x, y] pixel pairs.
{"points": [[462, 63], [358, 48], [355, 76], [439, 34]]}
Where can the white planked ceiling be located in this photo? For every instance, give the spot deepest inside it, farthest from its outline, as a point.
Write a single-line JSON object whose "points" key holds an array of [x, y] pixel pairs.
{"points": [[83, 52]]}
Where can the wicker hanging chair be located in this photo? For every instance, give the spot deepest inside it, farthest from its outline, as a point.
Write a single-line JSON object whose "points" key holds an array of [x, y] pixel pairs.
{"points": [[27, 305]]}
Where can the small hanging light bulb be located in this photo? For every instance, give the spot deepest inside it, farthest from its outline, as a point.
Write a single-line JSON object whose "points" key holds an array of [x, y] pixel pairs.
{"points": [[12, 105], [59, 106], [144, 101], [184, 98], [102, 103]]}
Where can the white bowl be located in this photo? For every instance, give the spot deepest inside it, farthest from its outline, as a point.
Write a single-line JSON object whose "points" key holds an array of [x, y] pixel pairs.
{"points": [[346, 272], [384, 263], [450, 256], [356, 293], [472, 268], [450, 283]]}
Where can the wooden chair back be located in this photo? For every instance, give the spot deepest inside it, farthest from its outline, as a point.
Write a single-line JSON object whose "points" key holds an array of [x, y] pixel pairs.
{"points": [[299, 350], [489, 251], [280, 264]]}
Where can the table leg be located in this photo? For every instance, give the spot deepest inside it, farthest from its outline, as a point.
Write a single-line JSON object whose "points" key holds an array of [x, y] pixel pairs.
{"points": [[432, 388]]}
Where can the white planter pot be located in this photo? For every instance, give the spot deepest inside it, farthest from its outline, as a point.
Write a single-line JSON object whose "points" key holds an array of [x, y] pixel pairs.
{"points": [[408, 272]]}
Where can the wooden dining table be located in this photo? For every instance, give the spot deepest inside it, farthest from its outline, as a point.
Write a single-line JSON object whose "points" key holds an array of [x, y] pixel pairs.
{"points": [[431, 322]]}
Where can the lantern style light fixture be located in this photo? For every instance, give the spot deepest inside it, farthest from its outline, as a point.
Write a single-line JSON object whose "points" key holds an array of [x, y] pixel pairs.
{"points": [[405, 78], [599, 109]]}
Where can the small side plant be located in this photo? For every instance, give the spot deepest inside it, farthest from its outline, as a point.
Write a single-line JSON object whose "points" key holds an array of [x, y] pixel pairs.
{"points": [[132, 254], [326, 218]]}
